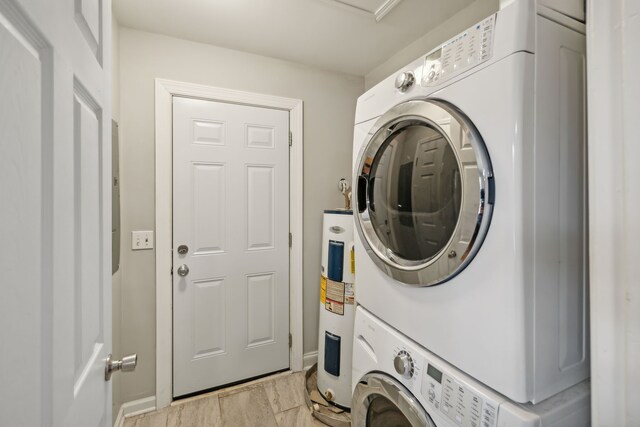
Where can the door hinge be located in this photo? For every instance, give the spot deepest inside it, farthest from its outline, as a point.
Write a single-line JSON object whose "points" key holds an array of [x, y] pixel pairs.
{"points": [[290, 340], [172, 271], [290, 139], [290, 240]]}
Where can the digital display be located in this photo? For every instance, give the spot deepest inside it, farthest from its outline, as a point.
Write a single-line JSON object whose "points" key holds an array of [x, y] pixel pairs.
{"points": [[434, 373]]}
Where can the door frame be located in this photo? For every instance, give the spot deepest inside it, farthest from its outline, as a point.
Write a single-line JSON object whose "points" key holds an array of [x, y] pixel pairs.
{"points": [[165, 90]]}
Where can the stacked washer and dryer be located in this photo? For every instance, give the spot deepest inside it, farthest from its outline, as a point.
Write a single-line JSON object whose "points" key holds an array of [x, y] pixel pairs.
{"points": [[471, 240]]}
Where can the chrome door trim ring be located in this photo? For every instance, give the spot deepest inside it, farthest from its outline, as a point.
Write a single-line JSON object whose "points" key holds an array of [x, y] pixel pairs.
{"points": [[378, 384], [477, 194]]}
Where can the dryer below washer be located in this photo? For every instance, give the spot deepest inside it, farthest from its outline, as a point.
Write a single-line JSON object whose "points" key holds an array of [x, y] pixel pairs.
{"points": [[397, 382]]}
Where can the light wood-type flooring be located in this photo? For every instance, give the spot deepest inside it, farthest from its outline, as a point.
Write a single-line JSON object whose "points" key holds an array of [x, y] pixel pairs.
{"points": [[275, 401]]}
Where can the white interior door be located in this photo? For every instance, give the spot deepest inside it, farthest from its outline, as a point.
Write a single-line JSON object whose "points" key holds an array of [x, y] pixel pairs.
{"points": [[231, 210], [55, 234]]}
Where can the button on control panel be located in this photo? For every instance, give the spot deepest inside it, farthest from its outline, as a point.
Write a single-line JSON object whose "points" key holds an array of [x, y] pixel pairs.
{"points": [[456, 401], [462, 52]]}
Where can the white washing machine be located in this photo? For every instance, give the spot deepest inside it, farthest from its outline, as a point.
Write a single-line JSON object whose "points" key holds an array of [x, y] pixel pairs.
{"points": [[398, 383], [471, 202]]}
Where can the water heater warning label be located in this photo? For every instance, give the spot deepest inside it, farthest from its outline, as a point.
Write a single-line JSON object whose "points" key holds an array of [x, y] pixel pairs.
{"points": [[334, 297]]}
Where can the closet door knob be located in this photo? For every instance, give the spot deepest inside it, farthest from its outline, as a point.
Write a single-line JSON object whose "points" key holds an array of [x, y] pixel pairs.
{"points": [[127, 364]]}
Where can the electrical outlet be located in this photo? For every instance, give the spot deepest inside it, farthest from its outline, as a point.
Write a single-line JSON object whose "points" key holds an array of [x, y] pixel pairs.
{"points": [[141, 240]]}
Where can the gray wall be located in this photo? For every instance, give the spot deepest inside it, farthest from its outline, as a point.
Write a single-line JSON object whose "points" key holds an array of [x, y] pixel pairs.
{"points": [[329, 106], [459, 22]]}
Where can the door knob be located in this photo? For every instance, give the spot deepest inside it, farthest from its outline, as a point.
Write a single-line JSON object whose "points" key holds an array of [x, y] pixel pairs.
{"points": [[183, 270], [126, 364]]}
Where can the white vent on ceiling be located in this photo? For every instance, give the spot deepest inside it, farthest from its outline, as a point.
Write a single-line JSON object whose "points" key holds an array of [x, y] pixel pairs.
{"points": [[378, 8]]}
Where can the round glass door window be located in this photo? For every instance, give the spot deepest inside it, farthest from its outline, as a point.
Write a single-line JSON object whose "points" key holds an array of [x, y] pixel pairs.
{"points": [[383, 413], [425, 192], [415, 192], [381, 401]]}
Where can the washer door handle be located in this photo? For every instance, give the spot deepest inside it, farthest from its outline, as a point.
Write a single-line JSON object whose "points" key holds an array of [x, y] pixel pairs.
{"points": [[362, 193]]}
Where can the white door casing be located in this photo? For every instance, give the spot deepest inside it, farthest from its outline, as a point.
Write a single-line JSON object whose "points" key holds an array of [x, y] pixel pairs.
{"points": [[55, 233], [165, 91], [231, 210]]}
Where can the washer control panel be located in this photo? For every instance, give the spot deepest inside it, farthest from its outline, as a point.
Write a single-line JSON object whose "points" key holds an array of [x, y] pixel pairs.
{"points": [[444, 392], [464, 51], [456, 401]]}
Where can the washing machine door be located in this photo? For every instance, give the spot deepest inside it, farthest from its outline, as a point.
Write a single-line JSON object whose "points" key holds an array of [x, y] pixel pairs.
{"points": [[381, 401], [424, 192]]}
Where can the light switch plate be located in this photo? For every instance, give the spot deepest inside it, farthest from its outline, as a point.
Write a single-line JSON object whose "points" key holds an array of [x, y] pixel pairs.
{"points": [[141, 240]]}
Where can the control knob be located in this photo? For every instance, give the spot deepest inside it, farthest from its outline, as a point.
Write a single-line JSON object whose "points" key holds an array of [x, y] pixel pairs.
{"points": [[403, 364], [405, 80]]}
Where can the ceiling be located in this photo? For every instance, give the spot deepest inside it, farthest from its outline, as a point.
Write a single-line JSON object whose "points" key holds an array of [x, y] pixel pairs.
{"points": [[337, 35]]}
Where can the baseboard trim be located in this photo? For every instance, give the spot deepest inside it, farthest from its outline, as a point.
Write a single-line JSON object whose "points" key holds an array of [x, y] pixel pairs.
{"points": [[138, 407], [309, 359], [119, 421]]}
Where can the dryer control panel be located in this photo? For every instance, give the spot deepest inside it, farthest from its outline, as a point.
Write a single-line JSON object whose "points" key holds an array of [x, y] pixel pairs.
{"points": [[464, 51], [456, 401]]}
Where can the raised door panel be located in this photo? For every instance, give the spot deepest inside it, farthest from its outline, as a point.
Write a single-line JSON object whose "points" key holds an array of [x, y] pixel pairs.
{"points": [[260, 193], [209, 211], [208, 317], [88, 287], [260, 136], [88, 17], [21, 227], [208, 132], [260, 309]]}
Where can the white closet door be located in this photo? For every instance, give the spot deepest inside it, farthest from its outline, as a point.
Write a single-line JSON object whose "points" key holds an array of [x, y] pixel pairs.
{"points": [[231, 214], [55, 212]]}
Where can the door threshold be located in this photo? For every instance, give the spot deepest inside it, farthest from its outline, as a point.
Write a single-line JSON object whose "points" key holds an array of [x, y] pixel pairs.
{"points": [[234, 385]]}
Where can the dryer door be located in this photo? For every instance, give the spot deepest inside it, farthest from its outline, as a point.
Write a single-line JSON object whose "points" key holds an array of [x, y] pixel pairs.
{"points": [[379, 401], [424, 192]]}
